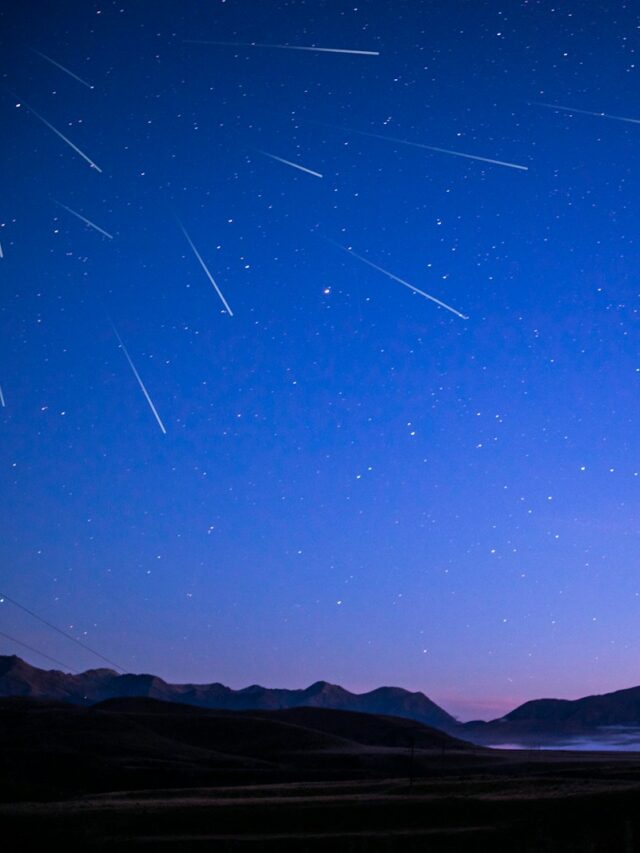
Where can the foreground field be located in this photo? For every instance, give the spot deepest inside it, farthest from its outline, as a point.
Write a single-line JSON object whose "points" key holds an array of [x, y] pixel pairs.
{"points": [[142, 775], [556, 807]]}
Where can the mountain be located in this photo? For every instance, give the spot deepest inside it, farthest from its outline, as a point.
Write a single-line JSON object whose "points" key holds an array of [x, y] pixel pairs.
{"points": [[621, 708], [560, 718], [18, 678], [532, 721]]}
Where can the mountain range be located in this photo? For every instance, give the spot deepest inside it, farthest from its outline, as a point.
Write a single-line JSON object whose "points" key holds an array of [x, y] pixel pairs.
{"points": [[536, 719], [18, 678]]}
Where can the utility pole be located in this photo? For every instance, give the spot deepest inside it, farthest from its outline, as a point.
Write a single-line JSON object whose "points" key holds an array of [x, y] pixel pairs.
{"points": [[412, 750]]}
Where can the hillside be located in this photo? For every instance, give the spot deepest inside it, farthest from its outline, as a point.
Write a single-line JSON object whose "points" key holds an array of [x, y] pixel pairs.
{"points": [[50, 749]]}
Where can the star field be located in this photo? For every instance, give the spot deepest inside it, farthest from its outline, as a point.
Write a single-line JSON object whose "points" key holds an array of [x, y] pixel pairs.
{"points": [[356, 483]]}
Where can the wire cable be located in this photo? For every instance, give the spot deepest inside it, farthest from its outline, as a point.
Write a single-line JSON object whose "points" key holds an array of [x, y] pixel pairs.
{"points": [[37, 651], [4, 597]]}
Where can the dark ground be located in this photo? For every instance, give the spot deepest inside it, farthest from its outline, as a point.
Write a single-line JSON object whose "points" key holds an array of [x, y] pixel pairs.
{"points": [[139, 774]]}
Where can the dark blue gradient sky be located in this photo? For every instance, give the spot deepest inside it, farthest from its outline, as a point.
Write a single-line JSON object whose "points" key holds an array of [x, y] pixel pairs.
{"points": [[355, 484]]}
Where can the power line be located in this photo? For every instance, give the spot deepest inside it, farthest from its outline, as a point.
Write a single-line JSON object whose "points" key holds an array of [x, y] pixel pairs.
{"points": [[4, 597], [37, 651]]}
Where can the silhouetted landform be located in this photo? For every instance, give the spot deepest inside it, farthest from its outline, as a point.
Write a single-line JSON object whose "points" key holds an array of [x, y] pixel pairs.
{"points": [[18, 678], [549, 719], [142, 774], [125, 743], [541, 721], [620, 708]]}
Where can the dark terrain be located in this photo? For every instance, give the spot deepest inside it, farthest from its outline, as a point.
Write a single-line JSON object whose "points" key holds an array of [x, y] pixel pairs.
{"points": [[551, 719], [137, 773], [18, 678], [540, 721]]}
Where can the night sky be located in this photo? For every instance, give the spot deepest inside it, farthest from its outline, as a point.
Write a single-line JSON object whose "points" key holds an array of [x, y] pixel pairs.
{"points": [[355, 484]]}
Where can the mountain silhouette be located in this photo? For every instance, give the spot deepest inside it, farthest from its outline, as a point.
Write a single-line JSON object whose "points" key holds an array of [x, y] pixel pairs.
{"points": [[555, 719], [620, 708], [538, 718], [18, 678]]}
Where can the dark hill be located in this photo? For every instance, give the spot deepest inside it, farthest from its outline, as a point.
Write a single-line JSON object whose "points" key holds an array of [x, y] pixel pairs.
{"points": [[51, 750], [369, 729], [338, 729]]}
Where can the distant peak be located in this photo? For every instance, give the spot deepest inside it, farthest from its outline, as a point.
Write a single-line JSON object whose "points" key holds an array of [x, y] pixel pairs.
{"points": [[142, 677], [101, 670], [393, 691], [12, 663], [322, 687]]}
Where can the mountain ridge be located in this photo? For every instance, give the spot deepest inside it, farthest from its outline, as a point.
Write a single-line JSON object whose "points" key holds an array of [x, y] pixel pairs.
{"points": [[18, 678], [536, 719], [548, 719]]}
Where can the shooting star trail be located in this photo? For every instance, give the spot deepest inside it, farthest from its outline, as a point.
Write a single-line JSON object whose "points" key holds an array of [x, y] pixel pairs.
{"points": [[468, 156], [428, 147], [85, 220], [400, 280], [140, 382], [584, 112], [62, 68], [64, 138], [1, 251], [284, 47], [204, 267], [2, 402], [289, 163]]}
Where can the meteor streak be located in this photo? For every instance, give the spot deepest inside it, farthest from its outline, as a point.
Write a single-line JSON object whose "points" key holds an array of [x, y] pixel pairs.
{"points": [[444, 150], [401, 281], [285, 47], [289, 163], [85, 220], [428, 147], [468, 156], [2, 402], [140, 382], [62, 68], [585, 112], [64, 138], [207, 273]]}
